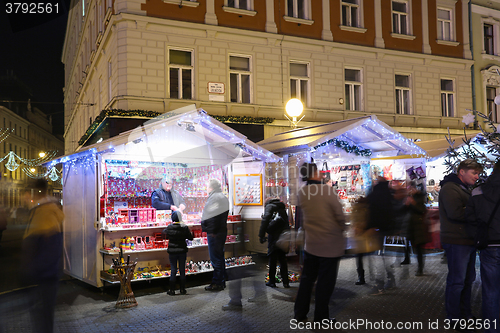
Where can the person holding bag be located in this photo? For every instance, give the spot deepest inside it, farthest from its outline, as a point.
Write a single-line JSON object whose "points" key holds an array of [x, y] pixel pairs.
{"points": [[482, 208], [274, 222]]}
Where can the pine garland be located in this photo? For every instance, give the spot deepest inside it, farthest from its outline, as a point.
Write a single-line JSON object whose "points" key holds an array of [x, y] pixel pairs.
{"points": [[353, 149]]}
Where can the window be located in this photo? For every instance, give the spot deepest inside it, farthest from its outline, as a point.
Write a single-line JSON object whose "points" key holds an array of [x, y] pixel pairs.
{"points": [[400, 17], [352, 89], [350, 13], [241, 4], [298, 9], [239, 79], [181, 74], [488, 39], [403, 94], [299, 81], [445, 25], [447, 98], [493, 112]]}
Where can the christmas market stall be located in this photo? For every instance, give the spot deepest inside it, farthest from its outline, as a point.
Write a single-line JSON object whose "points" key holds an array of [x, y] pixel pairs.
{"points": [[107, 190]]}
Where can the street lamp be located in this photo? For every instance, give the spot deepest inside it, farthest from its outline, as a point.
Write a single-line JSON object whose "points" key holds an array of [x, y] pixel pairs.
{"points": [[33, 170], [294, 109], [42, 154]]}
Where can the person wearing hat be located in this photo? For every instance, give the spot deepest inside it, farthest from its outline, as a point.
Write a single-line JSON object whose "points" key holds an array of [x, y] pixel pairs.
{"points": [[166, 198], [177, 233]]}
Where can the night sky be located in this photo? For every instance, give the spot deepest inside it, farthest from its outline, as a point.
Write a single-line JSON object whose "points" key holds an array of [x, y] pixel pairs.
{"points": [[34, 54]]}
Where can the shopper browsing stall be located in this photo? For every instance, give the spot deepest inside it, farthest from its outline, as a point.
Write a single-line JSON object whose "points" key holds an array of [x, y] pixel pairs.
{"points": [[214, 223], [177, 233], [166, 198]]}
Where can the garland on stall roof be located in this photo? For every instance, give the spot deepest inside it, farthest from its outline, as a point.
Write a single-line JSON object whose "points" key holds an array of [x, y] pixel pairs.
{"points": [[115, 113], [152, 114], [353, 149], [244, 119]]}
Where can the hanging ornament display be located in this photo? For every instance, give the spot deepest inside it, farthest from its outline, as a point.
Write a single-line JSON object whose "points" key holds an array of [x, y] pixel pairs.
{"points": [[11, 164], [53, 174]]}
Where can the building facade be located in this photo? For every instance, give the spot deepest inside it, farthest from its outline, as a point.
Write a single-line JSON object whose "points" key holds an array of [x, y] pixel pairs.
{"points": [[485, 23], [26, 131], [406, 61]]}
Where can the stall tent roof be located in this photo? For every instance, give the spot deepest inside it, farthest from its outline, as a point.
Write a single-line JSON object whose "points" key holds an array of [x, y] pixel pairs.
{"points": [[438, 147], [179, 136], [365, 132]]}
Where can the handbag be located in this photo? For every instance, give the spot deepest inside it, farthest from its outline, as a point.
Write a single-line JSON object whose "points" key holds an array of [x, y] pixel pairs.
{"points": [[367, 242], [290, 239], [481, 236], [276, 223]]}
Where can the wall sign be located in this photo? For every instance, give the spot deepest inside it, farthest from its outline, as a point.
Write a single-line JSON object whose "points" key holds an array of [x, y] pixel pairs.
{"points": [[216, 88], [247, 190]]}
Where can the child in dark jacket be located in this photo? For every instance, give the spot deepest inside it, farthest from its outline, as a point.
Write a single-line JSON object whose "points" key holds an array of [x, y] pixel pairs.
{"points": [[177, 233]]}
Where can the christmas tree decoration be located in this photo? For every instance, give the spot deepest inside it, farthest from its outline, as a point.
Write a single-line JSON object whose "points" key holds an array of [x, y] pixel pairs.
{"points": [[11, 164]]}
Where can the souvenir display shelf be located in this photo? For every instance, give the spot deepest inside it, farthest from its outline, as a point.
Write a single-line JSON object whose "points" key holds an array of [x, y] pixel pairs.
{"points": [[126, 209]]}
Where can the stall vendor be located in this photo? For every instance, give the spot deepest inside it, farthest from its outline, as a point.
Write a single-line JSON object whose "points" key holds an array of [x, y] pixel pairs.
{"points": [[166, 198]]}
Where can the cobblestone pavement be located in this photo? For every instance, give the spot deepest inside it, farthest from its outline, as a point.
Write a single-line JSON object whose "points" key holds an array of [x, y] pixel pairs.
{"points": [[417, 302]]}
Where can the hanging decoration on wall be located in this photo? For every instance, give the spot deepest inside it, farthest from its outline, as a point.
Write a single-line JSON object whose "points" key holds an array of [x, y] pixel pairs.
{"points": [[353, 149]]}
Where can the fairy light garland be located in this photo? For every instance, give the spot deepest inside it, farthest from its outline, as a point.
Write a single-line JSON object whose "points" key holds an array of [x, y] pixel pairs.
{"points": [[352, 149]]}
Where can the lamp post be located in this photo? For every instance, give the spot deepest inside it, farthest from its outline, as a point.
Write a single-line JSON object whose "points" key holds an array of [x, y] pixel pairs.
{"points": [[42, 154], [293, 110]]}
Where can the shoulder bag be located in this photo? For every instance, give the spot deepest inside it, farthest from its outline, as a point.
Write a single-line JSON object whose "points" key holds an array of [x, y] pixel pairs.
{"points": [[481, 236]]}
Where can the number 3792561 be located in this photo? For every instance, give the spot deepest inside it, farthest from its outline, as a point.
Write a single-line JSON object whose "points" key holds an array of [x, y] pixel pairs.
{"points": [[31, 8]]}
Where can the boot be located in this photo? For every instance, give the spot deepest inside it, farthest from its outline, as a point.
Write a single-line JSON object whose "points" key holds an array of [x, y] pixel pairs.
{"points": [[183, 287], [361, 277], [171, 292]]}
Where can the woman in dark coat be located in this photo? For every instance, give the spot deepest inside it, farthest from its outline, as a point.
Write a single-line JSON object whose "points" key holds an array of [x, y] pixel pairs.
{"points": [[177, 233], [418, 229], [273, 204]]}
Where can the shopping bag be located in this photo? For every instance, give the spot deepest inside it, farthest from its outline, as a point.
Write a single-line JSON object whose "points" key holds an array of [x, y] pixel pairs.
{"points": [[369, 241], [290, 239]]}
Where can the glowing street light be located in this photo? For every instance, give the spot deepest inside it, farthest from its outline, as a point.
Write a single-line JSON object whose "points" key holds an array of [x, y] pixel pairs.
{"points": [[42, 154], [294, 109]]}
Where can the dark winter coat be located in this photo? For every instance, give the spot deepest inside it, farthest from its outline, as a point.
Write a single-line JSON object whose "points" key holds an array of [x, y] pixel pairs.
{"points": [[271, 207], [177, 233], [381, 213], [418, 228], [161, 200], [215, 212], [481, 205], [453, 199]]}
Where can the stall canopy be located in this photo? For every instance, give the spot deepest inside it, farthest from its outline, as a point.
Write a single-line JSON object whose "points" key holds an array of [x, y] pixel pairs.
{"points": [[437, 148], [181, 136], [364, 133]]}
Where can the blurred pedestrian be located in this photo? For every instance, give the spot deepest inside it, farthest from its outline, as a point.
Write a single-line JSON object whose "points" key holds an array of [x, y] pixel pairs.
{"points": [[42, 255], [381, 220], [459, 246], [274, 222], [325, 244], [418, 228], [401, 215], [3, 221], [359, 219], [177, 233], [167, 198], [214, 223], [481, 208]]}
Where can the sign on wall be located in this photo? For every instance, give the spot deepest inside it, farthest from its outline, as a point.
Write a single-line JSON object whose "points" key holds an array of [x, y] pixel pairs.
{"points": [[216, 88]]}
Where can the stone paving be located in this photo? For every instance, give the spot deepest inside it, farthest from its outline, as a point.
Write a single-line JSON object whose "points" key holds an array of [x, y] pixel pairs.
{"points": [[415, 301]]}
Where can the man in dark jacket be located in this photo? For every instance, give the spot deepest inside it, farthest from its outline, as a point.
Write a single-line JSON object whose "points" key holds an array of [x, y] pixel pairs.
{"points": [[458, 245], [166, 198], [480, 207], [177, 233], [214, 223]]}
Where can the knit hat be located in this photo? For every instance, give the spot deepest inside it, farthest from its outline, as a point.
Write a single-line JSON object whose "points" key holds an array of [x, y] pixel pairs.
{"points": [[176, 216]]}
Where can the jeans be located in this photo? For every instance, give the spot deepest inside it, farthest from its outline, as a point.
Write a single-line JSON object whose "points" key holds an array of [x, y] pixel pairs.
{"points": [[378, 267], [490, 277], [325, 271], [461, 275], [44, 297], [174, 259], [274, 257], [216, 252]]}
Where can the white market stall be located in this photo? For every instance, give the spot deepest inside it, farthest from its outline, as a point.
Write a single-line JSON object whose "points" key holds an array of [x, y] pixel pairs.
{"points": [[352, 152], [107, 189]]}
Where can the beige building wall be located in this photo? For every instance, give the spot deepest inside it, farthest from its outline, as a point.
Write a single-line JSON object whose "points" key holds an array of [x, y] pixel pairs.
{"points": [[128, 69]]}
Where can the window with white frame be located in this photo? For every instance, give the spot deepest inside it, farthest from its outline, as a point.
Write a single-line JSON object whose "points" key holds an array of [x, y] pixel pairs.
{"points": [[400, 17], [445, 24], [353, 84], [181, 74], [299, 81], [240, 4], [489, 46], [298, 9], [403, 94], [492, 108], [350, 13], [240, 79], [447, 98]]}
